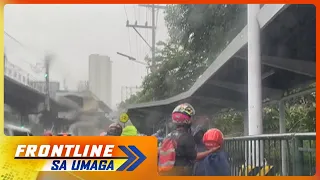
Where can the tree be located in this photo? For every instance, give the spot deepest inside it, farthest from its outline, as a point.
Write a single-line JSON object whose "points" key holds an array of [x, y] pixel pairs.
{"points": [[206, 29], [172, 75], [196, 37]]}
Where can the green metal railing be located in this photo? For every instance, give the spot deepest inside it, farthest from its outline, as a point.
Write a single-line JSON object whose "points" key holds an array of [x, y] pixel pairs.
{"points": [[272, 154]]}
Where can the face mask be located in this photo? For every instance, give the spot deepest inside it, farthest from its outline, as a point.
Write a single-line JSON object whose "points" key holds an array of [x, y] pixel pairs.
{"points": [[113, 132]]}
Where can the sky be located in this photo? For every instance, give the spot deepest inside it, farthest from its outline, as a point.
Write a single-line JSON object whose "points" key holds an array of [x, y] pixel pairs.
{"points": [[72, 33]]}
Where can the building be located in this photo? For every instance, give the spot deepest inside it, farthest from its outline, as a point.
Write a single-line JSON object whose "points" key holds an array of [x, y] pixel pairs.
{"points": [[100, 77]]}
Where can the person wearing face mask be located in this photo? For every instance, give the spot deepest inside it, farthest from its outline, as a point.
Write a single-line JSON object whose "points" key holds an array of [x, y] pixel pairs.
{"points": [[177, 152], [115, 129], [215, 163]]}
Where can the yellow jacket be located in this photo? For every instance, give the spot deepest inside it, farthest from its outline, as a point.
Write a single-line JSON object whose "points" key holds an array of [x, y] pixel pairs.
{"points": [[129, 131]]}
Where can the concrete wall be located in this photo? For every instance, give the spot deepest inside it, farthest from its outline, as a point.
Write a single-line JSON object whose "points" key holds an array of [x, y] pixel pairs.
{"points": [[100, 77]]}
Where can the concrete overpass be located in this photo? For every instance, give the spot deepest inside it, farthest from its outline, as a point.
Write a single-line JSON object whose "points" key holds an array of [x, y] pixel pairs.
{"points": [[91, 115], [27, 98]]}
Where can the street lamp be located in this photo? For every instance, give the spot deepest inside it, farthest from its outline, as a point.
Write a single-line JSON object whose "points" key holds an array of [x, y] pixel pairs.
{"points": [[134, 60]]}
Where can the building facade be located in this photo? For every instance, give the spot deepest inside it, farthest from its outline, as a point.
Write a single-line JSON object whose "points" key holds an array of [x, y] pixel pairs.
{"points": [[100, 77]]}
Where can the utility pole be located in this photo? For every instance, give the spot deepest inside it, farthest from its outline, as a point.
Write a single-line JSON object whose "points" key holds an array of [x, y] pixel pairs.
{"points": [[153, 28], [47, 83]]}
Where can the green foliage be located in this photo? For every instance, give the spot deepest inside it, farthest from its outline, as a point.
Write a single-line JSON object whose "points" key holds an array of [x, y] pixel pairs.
{"points": [[300, 116], [230, 122], [198, 33], [205, 29]]}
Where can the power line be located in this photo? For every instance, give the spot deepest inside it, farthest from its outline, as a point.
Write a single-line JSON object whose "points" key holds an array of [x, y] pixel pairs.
{"points": [[137, 47], [36, 68], [135, 13], [125, 10], [152, 27], [17, 41], [157, 17], [23, 46], [147, 33], [139, 14], [139, 42], [129, 41]]}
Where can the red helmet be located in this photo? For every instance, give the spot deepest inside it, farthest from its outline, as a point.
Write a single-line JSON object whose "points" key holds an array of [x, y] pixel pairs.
{"points": [[182, 114], [48, 133], [213, 138]]}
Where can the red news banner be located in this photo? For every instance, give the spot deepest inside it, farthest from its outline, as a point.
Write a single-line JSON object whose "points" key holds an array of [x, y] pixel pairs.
{"points": [[91, 153]]}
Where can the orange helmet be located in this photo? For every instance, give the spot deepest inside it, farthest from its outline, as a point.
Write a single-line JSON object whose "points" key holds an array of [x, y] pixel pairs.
{"points": [[213, 138]]}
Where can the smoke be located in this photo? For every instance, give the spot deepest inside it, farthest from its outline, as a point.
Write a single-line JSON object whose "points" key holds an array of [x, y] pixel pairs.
{"points": [[58, 68], [67, 102]]}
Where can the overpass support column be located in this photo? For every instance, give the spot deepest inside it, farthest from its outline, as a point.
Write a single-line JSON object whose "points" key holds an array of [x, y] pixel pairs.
{"points": [[254, 84], [246, 133]]}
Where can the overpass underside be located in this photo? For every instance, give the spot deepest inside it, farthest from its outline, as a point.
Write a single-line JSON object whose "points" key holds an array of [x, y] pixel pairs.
{"points": [[29, 103], [24, 100]]}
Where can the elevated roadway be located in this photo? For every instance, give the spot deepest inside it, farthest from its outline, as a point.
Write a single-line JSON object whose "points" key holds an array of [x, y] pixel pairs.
{"points": [[27, 98]]}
